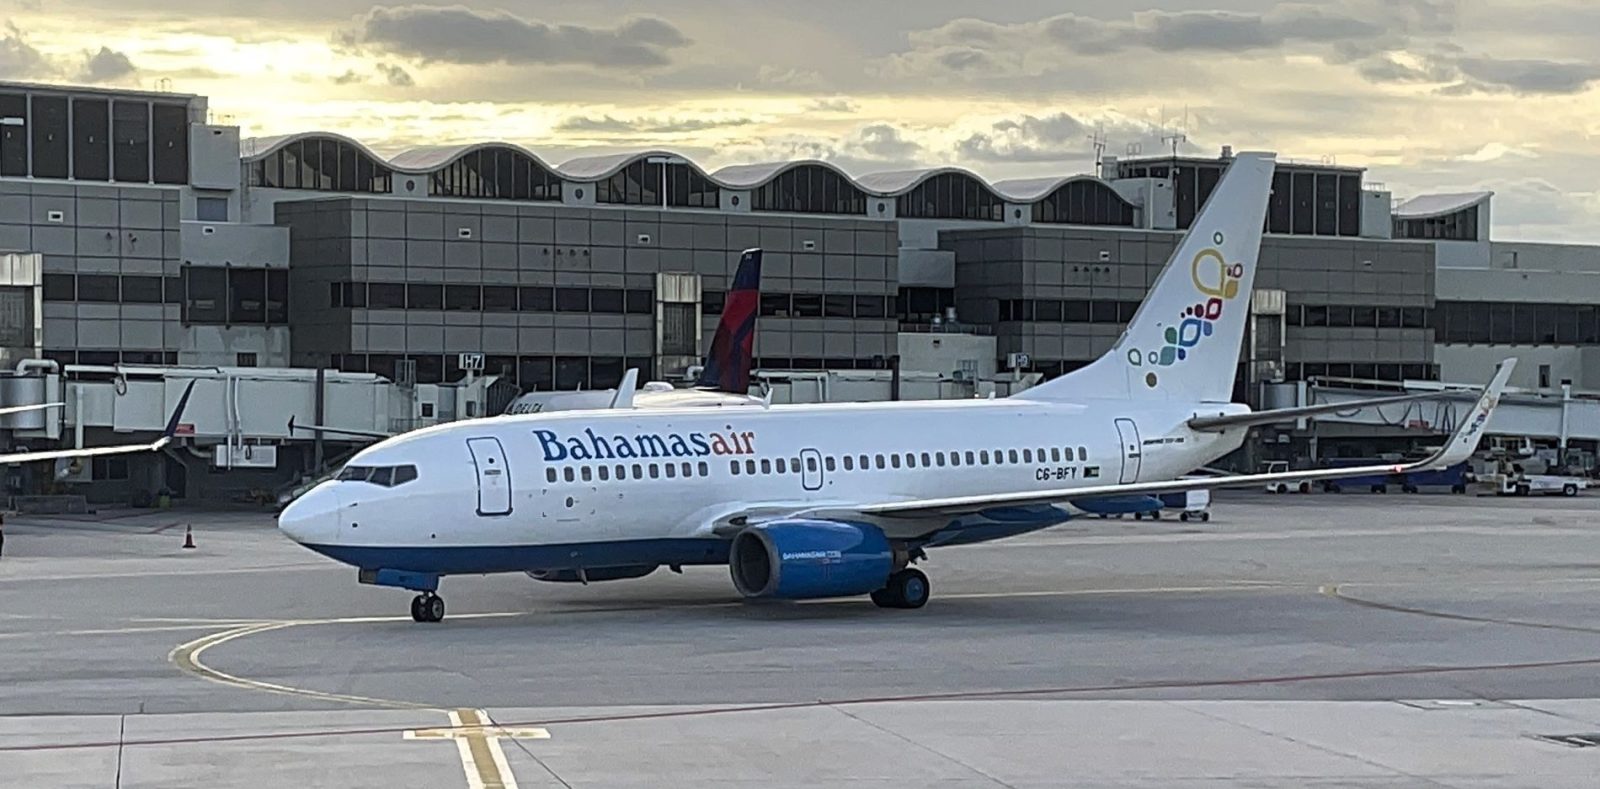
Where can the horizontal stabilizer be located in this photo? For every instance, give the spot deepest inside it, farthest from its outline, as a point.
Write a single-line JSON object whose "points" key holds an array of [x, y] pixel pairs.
{"points": [[1251, 418]]}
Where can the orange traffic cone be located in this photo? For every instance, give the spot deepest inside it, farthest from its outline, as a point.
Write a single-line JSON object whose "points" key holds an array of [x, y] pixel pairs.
{"points": [[188, 536]]}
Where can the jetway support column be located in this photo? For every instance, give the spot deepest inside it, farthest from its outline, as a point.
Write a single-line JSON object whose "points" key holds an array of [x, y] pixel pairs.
{"points": [[321, 404]]}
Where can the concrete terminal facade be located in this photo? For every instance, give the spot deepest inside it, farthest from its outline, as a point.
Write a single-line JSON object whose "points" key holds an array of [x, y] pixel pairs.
{"points": [[165, 239]]}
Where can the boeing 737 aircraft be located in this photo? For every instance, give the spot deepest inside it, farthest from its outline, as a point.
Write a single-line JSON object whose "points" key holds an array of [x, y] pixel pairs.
{"points": [[831, 500], [725, 379]]}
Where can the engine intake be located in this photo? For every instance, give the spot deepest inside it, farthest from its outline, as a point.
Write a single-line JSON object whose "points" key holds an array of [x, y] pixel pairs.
{"points": [[806, 559]]}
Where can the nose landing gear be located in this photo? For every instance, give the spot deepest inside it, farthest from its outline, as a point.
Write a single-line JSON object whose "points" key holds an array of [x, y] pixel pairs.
{"points": [[427, 607]]}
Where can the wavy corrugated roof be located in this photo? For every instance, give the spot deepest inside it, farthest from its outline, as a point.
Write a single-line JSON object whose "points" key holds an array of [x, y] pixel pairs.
{"points": [[1430, 206], [429, 158]]}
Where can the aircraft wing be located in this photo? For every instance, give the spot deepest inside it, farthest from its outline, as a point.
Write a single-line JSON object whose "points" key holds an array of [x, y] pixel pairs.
{"points": [[1250, 418], [18, 409], [116, 449], [1457, 449]]}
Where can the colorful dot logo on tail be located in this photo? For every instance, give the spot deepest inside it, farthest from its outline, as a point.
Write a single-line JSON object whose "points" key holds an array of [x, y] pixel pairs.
{"points": [[1217, 283]]}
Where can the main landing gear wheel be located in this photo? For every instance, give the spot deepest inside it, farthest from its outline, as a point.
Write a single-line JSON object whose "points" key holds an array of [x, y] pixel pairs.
{"points": [[908, 588], [427, 608]]}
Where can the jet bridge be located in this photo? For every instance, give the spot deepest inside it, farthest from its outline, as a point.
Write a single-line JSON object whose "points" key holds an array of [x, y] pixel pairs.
{"points": [[245, 429], [1559, 415]]}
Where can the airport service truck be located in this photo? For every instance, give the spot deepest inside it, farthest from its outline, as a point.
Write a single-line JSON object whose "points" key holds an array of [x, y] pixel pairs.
{"points": [[1520, 484]]}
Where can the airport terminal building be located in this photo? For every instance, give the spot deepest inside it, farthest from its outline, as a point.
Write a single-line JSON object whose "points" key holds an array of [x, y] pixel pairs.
{"points": [[164, 239]]}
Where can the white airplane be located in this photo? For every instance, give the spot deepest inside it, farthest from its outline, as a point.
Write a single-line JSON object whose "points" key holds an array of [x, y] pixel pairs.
{"points": [[831, 500], [724, 380]]}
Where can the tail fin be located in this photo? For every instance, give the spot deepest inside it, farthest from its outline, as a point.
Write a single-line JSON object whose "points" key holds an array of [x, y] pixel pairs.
{"points": [[1184, 341], [727, 367]]}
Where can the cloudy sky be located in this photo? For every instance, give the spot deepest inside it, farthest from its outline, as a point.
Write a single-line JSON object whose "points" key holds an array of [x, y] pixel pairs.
{"points": [[1431, 95]]}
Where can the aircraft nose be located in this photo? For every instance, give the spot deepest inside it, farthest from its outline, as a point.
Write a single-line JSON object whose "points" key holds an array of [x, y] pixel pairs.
{"points": [[312, 519]]}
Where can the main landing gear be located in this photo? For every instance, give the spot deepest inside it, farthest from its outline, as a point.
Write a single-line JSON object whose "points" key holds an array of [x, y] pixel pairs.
{"points": [[427, 607], [907, 588]]}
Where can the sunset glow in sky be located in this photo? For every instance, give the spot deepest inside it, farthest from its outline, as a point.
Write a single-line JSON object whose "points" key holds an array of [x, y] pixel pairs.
{"points": [[1431, 95]]}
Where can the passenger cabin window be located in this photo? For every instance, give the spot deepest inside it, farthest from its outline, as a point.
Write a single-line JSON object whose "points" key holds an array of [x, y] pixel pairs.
{"points": [[1027, 456], [880, 462], [894, 460], [1055, 454], [672, 470], [766, 465], [938, 459], [811, 464], [1083, 453], [550, 475], [783, 466], [733, 467], [828, 464], [605, 473], [911, 460], [750, 467], [849, 462], [1012, 455], [567, 473], [655, 471], [925, 459], [983, 457], [970, 459], [705, 470]]}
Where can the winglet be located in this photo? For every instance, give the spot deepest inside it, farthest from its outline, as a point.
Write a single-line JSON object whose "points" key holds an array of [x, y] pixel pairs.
{"points": [[624, 396], [1464, 441], [177, 414]]}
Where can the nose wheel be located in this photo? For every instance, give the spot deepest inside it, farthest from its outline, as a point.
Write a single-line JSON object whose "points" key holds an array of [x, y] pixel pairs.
{"points": [[427, 607]]}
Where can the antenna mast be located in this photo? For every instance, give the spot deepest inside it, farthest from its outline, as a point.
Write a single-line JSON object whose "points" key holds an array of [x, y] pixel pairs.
{"points": [[1098, 140]]}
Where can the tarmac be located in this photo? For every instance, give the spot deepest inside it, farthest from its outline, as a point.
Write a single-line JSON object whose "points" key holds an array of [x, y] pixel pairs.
{"points": [[1353, 640]]}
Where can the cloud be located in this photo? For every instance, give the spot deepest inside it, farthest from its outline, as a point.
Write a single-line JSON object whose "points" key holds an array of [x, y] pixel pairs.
{"points": [[1494, 151], [840, 105], [1054, 138], [883, 141], [456, 34], [1528, 76], [396, 76], [1337, 32], [874, 147], [107, 65], [19, 59], [350, 77], [1479, 74], [606, 124]]}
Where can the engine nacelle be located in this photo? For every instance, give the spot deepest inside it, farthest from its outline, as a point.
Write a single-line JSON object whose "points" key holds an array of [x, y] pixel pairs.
{"points": [[804, 559], [593, 574], [1117, 505]]}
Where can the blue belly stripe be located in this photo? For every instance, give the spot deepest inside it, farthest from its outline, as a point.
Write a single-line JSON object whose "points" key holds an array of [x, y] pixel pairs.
{"points": [[477, 559]]}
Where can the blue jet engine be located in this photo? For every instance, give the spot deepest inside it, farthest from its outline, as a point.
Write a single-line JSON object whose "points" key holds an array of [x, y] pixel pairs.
{"points": [[804, 559]]}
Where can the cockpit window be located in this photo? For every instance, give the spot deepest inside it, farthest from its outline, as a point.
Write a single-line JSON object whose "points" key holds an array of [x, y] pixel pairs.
{"points": [[387, 476]]}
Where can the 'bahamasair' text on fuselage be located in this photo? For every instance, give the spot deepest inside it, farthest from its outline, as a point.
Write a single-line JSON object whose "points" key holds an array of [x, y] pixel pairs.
{"points": [[594, 446]]}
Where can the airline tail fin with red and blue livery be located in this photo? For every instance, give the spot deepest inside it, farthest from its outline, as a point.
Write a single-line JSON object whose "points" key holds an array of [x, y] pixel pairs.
{"points": [[727, 367]]}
